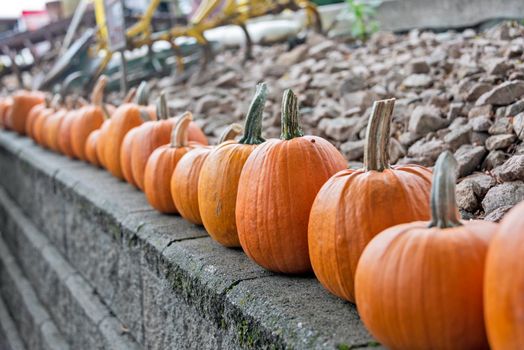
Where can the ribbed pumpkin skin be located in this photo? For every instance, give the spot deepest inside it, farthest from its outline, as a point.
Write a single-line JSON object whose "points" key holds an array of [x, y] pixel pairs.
{"points": [[64, 134], [195, 134], [5, 110], [51, 129], [184, 184], [217, 191], [354, 206], [504, 284], [39, 126], [157, 179], [31, 118], [23, 101], [101, 142], [125, 156], [90, 151], [125, 118], [277, 186], [421, 288], [89, 119]]}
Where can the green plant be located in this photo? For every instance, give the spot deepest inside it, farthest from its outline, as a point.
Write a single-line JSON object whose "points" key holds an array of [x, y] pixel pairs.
{"points": [[363, 24]]}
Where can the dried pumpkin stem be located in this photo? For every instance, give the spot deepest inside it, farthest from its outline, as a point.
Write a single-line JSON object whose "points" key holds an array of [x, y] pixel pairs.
{"points": [[290, 118], [179, 137], [376, 153], [230, 133], [97, 97], [161, 107], [253, 127], [142, 94], [443, 204]]}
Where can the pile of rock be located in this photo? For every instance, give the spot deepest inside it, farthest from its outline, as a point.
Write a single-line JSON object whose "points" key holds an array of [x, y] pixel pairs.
{"points": [[458, 91]]}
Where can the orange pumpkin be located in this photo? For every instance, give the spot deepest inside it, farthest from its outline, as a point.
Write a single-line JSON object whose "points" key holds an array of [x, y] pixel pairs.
{"points": [[162, 163], [64, 133], [38, 127], [90, 151], [5, 108], [277, 186], [419, 285], [125, 118], [184, 182], [150, 136], [51, 128], [355, 205], [125, 156], [504, 283], [33, 115], [23, 101], [88, 119], [218, 182]]}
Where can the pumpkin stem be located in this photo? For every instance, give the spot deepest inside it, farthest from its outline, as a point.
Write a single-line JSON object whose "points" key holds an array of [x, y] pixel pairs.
{"points": [[230, 133], [55, 101], [290, 118], [179, 137], [376, 153], [443, 204], [98, 91], [142, 94], [161, 107], [253, 126], [130, 95]]}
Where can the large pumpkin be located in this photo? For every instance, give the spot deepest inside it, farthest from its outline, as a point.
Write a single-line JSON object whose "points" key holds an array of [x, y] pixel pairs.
{"points": [[218, 182], [277, 186], [89, 119], [125, 118], [419, 285], [355, 205], [504, 283], [150, 136], [91, 144], [162, 163], [23, 101], [184, 182]]}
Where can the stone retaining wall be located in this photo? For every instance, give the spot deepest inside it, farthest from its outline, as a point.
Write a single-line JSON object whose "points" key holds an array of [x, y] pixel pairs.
{"points": [[110, 272]]}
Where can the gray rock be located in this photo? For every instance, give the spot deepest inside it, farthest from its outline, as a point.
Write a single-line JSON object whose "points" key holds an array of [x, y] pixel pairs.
{"points": [[325, 108], [501, 126], [408, 138], [418, 66], [477, 111], [476, 91], [469, 158], [466, 196], [455, 110], [503, 95], [205, 103], [396, 150], [317, 51], [503, 195], [340, 128], [362, 99], [494, 159], [418, 81], [500, 141], [458, 136], [481, 123], [425, 119], [229, 79], [515, 108], [478, 138], [293, 57], [518, 125], [427, 149], [353, 150], [499, 67], [511, 170], [497, 214], [458, 122]]}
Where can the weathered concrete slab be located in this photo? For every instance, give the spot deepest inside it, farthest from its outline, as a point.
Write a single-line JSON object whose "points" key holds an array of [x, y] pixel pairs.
{"points": [[9, 337], [168, 283]]}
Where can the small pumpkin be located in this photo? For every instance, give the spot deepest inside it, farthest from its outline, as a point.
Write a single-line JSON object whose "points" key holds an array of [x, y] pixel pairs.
{"points": [[125, 156], [23, 101], [38, 129], [277, 186], [90, 151], [184, 182], [419, 284], [53, 124], [218, 182], [33, 115], [162, 163], [504, 283], [5, 108], [355, 205], [64, 132], [125, 118], [88, 119], [150, 136]]}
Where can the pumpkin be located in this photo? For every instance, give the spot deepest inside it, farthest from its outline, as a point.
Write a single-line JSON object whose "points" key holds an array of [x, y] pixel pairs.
{"points": [[355, 205], [419, 284], [23, 101], [184, 182], [33, 115], [504, 283], [51, 128], [276, 189], [162, 163], [90, 151], [150, 136], [38, 128], [125, 118], [5, 108], [125, 156], [88, 119], [218, 182]]}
